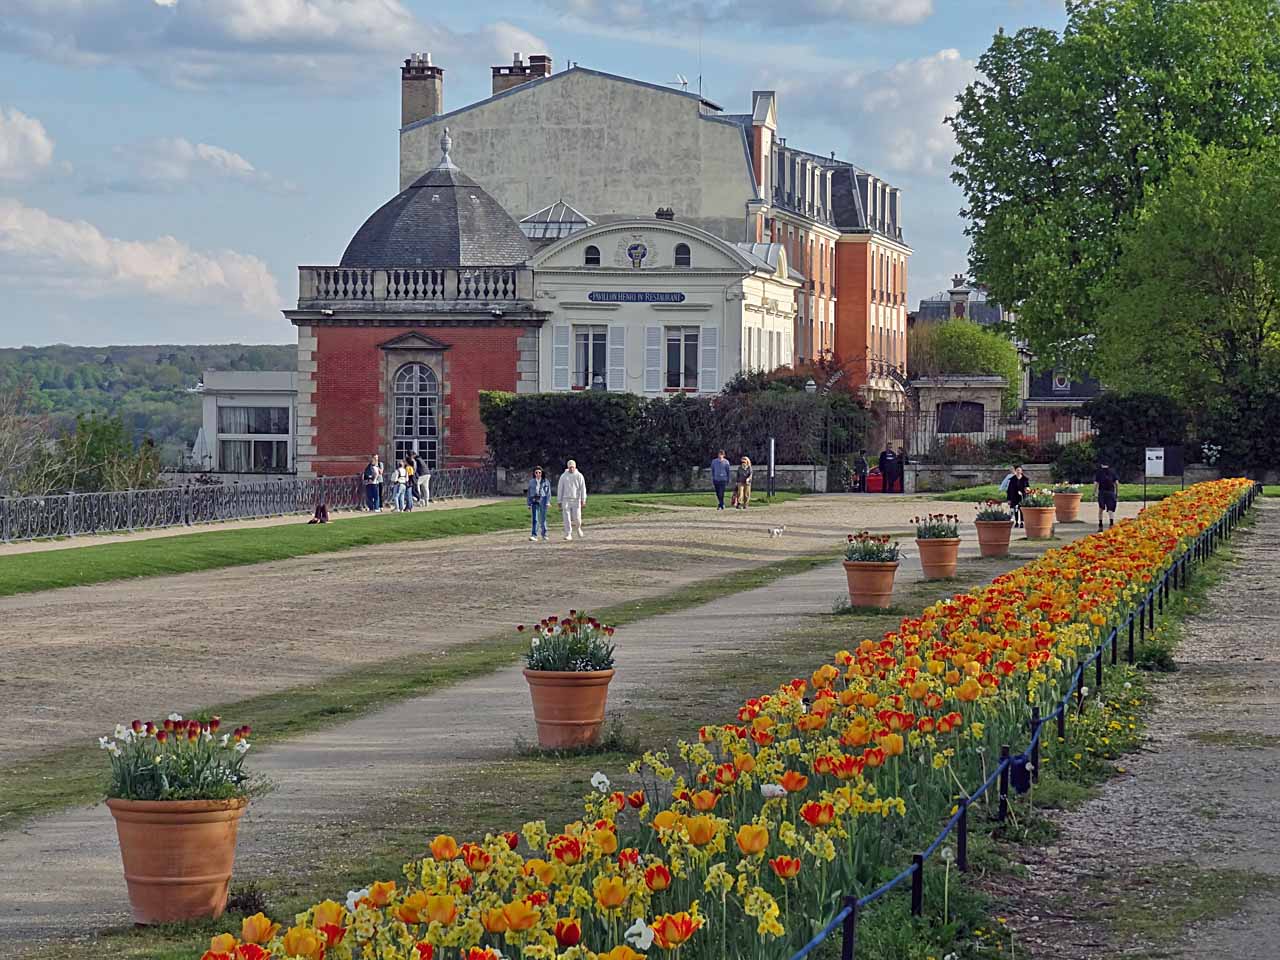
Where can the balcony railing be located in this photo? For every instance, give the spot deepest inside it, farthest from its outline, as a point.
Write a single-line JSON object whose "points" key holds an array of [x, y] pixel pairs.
{"points": [[412, 285]]}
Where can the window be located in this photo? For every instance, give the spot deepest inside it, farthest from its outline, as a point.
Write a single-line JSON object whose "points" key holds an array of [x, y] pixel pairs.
{"points": [[683, 257], [682, 358], [960, 416], [253, 456], [417, 414], [590, 349], [591, 256], [242, 420]]}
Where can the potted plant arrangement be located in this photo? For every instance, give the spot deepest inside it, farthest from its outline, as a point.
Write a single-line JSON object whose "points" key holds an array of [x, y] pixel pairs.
{"points": [[870, 563], [568, 667], [1037, 514], [1066, 502], [938, 538], [177, 792], [994, 524]]}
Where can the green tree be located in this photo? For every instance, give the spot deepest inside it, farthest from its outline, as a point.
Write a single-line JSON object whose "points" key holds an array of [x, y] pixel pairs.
{"points": [[964, 347], [100, 455], [1062, 135], [1192, 307]]}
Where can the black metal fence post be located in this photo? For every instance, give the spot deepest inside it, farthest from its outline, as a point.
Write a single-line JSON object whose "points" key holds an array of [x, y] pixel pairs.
{"points": [[1151, 615], [917, 885], [962, 837], [1035, 744], [1131, 639], [1004, 783], [1062, 722], [1097, 668], [1115, 646], [849, 940]]}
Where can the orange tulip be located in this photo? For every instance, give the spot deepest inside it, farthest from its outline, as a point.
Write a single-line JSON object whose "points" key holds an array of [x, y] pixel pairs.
{"points": [[257, 929], [670, 930], [444, 847], [476, 858], [874, 757], [752, 838], [657, 878], [305, 943], [969, 691], [621, 952], [222, 943], [857, 734], [493, 920], [793, 782], [545, 872], [701, 830], [666, 820], [566, 849], [412, 908], [892, 744], [440, 908], [704, 800], [483, 953], [325, 912], [818, 814], [568, 932], [611, 892], [785, 867], [380, 894], [519, 916]]}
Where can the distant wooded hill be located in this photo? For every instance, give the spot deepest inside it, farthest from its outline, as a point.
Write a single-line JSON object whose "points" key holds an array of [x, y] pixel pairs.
{"points": [[149, 387]]}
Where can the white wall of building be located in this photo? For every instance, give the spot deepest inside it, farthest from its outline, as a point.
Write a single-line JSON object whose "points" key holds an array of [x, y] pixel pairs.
{"points": [[244, 393]]}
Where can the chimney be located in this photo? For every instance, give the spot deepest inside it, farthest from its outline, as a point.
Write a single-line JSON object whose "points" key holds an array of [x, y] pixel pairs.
{"points": [[665, 213], [959, 296], [504, 78], [421, 89]]}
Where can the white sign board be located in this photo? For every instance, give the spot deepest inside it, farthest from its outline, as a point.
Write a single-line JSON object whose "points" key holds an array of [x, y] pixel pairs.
{"points": [[1155, 462]]}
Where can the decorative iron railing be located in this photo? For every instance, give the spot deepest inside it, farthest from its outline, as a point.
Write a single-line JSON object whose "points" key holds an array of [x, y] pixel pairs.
{"points": [[319, 285], [83, 514]]}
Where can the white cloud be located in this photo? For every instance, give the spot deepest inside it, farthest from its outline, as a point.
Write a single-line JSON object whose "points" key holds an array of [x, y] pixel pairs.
{"points": [[169, 163], [748, 11], [77, 259], [25, 146], [197, 43]]}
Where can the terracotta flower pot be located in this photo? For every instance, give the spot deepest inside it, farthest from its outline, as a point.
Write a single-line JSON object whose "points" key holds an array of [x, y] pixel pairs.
{"points": [[993, 537], [870, 583], [1067, 506], [568, 706], [1038, 522], [938, 556], [177, 855]]}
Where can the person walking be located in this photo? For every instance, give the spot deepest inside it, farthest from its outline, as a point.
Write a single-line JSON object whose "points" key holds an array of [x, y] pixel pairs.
{"points": [[571, 491], [1105, 488], [721, 470], [400, 486], [742, 485], [1019, 484], [888, 464], [538, 496], [420, 478], [410, 486], [372, 485], [860, 470]]}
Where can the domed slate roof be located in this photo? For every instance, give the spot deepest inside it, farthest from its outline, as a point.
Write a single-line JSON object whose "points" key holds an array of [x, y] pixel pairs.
{"points": [[443, 219]]}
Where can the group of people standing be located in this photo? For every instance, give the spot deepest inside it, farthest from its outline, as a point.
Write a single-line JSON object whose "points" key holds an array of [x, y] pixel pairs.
{"points": [[891, 464], [408, 483], [571, 494]]}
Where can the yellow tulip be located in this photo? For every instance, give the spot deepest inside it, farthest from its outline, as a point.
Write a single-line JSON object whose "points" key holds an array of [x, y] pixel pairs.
{"points": [[666, 819], [222, 943], [701, 830], [752, 838], [622, 952], [519, 916], [494, 921], [544, 871], [606, 841], [305, 943], [611, 892], [891, 744], [322, 914], [411, 910], [440, 908]]}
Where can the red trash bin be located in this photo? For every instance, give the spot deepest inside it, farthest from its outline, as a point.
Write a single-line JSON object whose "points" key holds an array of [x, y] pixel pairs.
{"points": [[875, 482]]}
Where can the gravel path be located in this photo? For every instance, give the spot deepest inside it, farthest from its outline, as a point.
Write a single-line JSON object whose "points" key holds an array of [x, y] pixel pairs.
{"points": [[62, 873], [1203, 795]]}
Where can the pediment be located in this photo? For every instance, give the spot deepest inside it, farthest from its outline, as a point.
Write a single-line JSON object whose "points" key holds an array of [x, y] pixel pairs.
{"points": [[413, 341]]}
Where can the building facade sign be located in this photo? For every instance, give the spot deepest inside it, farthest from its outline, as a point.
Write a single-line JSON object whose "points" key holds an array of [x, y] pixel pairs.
{"points": [[634, 296]]}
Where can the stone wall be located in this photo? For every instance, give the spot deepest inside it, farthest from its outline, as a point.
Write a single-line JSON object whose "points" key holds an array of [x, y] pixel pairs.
{"points": [[937, 477], [789, 477]]}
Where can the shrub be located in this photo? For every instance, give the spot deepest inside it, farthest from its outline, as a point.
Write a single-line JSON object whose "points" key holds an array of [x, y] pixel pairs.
{"points": [[1076, 462], [964, 347], [1126, 424]]}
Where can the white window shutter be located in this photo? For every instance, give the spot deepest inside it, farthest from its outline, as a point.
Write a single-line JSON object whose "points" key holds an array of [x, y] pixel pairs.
{"points": [[617, 378], [652, 359], [709, 376], [561, 342]]}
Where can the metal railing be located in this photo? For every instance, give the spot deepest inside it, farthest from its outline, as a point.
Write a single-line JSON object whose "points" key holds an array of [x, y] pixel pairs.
{"points": [[119, 511], [1024, 768], [962, 436]]}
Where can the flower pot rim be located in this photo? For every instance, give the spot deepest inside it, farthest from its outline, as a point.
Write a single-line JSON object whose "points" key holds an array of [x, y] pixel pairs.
{"points": [[871, 564], [177, 806], [946, 540], [1037, 508], [568, 674], [1068, 493], [1001, 522]]}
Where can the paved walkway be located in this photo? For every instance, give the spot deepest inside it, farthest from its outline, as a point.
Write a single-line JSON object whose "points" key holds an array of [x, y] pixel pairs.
{"points": [[63, 874]]}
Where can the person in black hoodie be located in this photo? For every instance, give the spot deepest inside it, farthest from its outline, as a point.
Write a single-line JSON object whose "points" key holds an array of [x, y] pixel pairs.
{"points": [[888, 469], [1019, 484]]}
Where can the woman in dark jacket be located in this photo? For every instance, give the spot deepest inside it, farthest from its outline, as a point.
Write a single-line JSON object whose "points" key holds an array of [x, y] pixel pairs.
{"points": [[538, 496], [742, 484], [1019, 484]]}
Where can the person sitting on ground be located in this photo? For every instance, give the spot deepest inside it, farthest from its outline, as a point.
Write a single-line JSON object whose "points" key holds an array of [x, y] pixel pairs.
{"points": [[321, 515]]}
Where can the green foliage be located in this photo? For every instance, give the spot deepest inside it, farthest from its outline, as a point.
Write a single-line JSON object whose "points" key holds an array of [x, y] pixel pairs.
{"points": [[964, 347], [182, 760], [615, 437], [1076, 463], [100, 455], [1061, 137], [868, 547], [148, 387], [1127, 424], [577, 643]]}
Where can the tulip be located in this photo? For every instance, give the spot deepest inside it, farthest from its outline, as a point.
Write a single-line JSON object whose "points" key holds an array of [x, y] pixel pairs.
{"points": [[568, 932], [440, 908], [744, 762], [483, 953], [666, 820], [476, 858], [606, 841], [793, 782], [519, 916], [250, 951], [222, 943], [545, 872], [752, 838], [818, 814], [705, 800], [257, 929], [536, 899], [333, 933], [785, 868], [425, 950], [657, 878], [620, 952], [321, 913], [873, 756], [701, 830], [566, 849], [411, 910], [892, 744], [628, 857], [610, 892], [969, 691], [636, 799], [670, 930], [444, 847], [512, 838], [493, 920], [305, 943]]}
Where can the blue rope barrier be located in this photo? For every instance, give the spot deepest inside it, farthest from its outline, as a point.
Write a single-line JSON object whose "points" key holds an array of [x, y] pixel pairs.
{"points": [[822, 934], [884, 888]]}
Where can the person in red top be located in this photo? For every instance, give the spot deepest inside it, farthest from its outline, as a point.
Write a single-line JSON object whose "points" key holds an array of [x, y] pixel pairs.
{"points": [[1105, 488]]}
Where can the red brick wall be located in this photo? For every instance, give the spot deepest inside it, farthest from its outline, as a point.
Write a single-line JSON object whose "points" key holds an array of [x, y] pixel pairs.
{"points": [[853, 283], [350, 417]]}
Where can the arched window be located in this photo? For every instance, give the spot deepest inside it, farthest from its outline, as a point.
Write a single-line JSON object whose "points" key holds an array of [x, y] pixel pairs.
{"points": [[683, 257], [591, 256], [417, 406], [961, 416]]}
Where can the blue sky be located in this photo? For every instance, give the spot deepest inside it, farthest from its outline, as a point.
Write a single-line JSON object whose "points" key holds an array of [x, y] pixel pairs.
{"points": [[165, 165]]}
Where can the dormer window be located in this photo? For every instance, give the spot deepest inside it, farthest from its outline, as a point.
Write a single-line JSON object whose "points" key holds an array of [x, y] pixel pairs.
{"points": [[591, 256], [683, 257]]}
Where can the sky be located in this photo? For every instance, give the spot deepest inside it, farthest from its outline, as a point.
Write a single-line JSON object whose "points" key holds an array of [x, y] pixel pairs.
{"points": [[165, 165]]}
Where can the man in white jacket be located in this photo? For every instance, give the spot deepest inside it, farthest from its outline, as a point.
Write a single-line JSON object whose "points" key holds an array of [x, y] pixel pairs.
{"points": [[572, 494]]}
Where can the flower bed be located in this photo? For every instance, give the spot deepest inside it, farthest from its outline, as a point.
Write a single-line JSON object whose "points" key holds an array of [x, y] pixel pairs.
{"points": [[744, 843]]}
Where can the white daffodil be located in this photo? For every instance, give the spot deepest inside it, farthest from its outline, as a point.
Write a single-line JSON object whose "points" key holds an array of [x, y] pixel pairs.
{"points": [[639, 935], [535, 642], [206, 736], [104, 743], [600, 782], [175, 717], [114, 750], [772, 791], [224, 739], [354, 897], [123, 733], [242, 747]]}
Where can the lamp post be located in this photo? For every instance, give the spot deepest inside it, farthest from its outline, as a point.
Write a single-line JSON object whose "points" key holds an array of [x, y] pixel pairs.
{"points": [[811, 387]]}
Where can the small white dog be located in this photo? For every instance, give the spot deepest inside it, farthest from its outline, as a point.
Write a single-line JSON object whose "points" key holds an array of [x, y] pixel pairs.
{"points": [[776, 531]]}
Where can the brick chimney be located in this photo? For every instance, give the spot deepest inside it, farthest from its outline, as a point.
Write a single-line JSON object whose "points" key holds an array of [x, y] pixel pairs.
{"points": [[504, 78], [421, 89], [959, 296]]}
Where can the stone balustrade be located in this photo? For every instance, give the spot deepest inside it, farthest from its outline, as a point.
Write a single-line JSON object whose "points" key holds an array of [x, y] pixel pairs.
{"points": [[473, 285]]}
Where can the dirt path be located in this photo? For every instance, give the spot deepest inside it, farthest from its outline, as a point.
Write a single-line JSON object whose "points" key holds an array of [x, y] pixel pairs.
{"points": [[1182, 851], [75, 662], [62, 874]]}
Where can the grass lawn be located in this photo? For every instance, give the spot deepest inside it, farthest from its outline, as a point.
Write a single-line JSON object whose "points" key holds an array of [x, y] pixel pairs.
{"points": [[990, 491], [214, 549]]}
